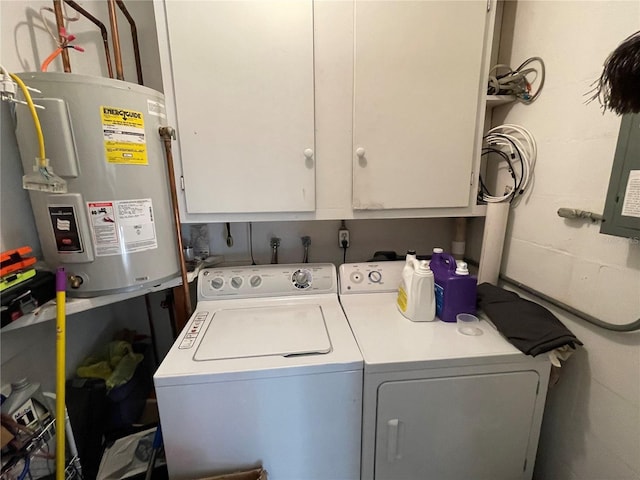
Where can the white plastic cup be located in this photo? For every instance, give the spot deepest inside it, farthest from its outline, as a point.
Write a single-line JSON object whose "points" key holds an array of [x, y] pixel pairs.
{"points": [[468, 324]]}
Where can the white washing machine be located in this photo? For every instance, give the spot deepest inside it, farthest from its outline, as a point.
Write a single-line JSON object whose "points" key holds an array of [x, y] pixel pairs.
{"points": [[266, 372], [437, 404]]}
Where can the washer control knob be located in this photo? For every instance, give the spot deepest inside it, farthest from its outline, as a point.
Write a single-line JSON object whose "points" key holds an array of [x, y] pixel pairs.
{"points": [[236, 282], [301, 278], [375, 276], [255, 281], [217, 283]]}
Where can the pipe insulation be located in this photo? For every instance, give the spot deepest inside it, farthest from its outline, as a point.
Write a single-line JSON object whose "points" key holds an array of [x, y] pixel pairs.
{"points": [[495, 228]]}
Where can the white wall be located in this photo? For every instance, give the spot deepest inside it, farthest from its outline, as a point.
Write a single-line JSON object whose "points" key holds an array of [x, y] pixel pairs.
{"points": [[366, 237], [26, 44], [592, 422]]}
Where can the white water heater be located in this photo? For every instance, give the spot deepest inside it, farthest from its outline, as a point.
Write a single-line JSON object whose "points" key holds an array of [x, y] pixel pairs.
{"points": [[114, 229]]}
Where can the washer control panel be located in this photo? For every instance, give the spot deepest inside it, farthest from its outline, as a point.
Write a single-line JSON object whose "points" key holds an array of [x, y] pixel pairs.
{"points": [[266, 280], [193, 330], [370, 277]]}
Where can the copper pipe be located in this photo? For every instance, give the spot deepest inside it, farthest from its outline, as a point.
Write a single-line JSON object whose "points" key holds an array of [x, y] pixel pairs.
{"points": [[167, 134], [134, 36], [57, 8], [117, 53], [103, 31]]}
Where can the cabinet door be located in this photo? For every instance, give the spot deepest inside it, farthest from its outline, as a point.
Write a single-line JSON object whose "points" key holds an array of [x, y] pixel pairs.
{"points": [[243, 80], [416, 98], [456, 428]]}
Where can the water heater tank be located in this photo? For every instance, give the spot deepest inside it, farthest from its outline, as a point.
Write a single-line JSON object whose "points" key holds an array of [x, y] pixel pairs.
{"points": [[114, 229]]}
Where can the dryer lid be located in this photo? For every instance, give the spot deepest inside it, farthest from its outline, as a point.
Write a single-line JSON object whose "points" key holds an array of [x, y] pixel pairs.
{"points": [[282, 330]]}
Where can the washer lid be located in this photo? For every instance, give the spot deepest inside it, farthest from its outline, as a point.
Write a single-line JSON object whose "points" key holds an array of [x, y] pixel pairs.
{"points": [[282, 330]]}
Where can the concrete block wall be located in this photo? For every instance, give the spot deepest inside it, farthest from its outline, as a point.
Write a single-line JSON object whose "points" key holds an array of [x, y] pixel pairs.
{"points": [[591, 428]]}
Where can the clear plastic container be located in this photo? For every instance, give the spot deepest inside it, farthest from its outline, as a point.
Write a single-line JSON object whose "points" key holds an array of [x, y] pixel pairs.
{"points": [[468, 324]]}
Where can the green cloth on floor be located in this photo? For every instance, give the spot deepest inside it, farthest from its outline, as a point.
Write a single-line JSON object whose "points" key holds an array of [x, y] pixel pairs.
{"points": [[115, 364]]}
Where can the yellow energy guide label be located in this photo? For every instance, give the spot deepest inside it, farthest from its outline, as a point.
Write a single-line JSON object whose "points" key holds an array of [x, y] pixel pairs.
{"points": [[124, 137]]}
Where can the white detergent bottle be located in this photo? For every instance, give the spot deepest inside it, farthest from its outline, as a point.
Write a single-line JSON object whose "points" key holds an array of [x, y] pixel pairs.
{"points": [[416, 299], [405, 283]]}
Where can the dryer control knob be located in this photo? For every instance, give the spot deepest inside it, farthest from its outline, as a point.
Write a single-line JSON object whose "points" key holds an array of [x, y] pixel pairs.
{"points": [[255, 281], [236, 282], [217, 283], [375, 276]]}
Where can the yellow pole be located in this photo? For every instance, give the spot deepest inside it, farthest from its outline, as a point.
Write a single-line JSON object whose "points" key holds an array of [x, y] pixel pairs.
{"points": [[61, 283]]}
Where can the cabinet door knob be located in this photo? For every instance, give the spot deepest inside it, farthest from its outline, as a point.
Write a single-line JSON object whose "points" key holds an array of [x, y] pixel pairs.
{"points": [[360, 152], [308, 153]]}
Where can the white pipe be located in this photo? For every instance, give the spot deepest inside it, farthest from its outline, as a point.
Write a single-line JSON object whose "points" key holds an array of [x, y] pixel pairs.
{"points": [[495, 228], [458, 245]]}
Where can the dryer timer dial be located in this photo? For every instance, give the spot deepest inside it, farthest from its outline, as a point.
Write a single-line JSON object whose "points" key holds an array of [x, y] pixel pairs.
{"points": [[375, 276]]}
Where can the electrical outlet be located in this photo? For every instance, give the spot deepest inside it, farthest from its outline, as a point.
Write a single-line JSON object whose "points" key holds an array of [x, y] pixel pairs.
{"points": [[343, 236]]}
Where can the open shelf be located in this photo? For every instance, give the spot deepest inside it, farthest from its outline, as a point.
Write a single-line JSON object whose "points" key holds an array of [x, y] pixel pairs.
{"points": [[47, 311], [497, 100]]}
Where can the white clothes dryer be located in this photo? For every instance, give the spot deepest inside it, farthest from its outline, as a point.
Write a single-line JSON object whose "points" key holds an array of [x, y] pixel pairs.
{"points": [[266, 372], [437, 404]]}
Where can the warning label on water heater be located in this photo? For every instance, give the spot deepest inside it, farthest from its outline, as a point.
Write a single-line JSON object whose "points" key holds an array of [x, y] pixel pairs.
{"points": [[124, 136], [124, 226]]}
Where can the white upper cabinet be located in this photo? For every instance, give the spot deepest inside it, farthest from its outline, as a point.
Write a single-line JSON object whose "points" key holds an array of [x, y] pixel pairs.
{"points": [[322, 109], [417, 84], [244, 101]]}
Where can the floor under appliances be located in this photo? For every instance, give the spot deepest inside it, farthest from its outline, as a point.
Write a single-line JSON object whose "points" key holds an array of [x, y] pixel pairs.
{"points": [[266, 372], [437, 404]]}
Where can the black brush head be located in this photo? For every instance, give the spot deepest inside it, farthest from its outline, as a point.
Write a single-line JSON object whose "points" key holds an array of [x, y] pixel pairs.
{"points": [[618, 88]]}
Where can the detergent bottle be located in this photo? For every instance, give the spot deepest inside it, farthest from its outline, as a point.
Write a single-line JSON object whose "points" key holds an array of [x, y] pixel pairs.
{"points": [[416, 291], [410, 261], [26, 404], [455, 288]]}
